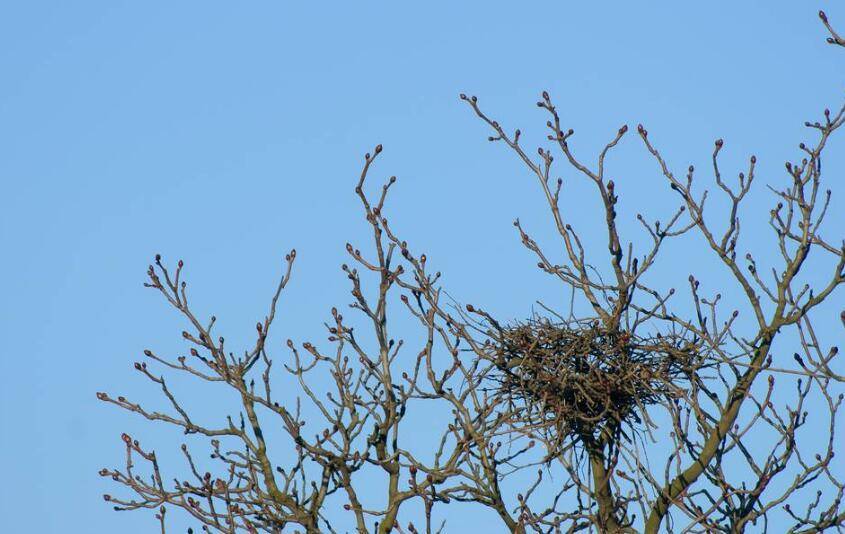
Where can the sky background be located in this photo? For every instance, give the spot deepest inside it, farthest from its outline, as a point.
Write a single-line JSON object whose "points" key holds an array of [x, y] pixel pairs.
{"points": [[227, 133]]}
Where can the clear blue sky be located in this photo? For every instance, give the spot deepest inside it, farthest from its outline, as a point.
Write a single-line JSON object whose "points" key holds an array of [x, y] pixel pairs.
{"points": [[226, 133]]}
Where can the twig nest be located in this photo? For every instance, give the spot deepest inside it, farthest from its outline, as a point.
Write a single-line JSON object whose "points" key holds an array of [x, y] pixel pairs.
{"points": [[577, 379]]}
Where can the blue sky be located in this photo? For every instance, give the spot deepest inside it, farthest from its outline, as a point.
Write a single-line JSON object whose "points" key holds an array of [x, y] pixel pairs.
{"points": [[227, 133]]}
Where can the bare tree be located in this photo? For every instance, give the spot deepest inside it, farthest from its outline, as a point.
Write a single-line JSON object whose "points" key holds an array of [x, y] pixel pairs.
{"points": [[651, 411]]}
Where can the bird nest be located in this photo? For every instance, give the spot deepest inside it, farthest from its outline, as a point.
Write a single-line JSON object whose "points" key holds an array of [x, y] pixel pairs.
{"points": [[575, 379]]}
